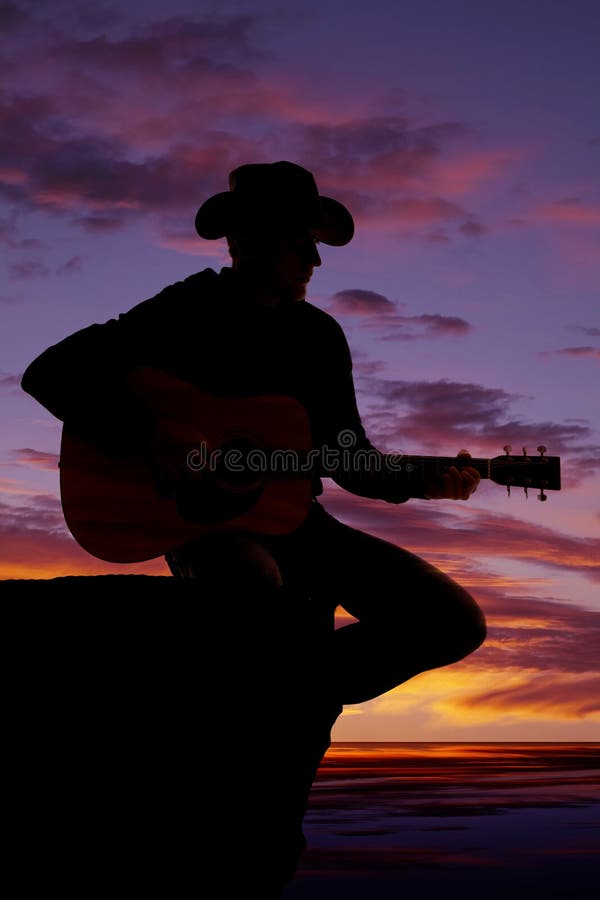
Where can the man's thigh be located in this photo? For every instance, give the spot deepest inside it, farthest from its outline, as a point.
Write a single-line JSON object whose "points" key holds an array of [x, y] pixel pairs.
{"points": [[371, 578]]}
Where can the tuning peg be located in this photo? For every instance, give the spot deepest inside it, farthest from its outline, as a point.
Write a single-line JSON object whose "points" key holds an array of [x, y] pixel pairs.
{"points": [[507, 449], [525, 451], [508, 489], [541, 495], [541, 449], [526, 494]]}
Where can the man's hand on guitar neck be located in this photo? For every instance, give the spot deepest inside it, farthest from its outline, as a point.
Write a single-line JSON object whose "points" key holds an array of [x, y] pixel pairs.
{"points": [[454, 484]]}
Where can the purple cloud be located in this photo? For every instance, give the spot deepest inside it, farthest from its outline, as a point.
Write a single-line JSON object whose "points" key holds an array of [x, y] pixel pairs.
{"points": [[30, 268], [74, 264], [96, 153], [427, 325], [473, 229], [589, 331], [377, 312], [10, 381], [443, 416], [357, 302], [11, 16]]}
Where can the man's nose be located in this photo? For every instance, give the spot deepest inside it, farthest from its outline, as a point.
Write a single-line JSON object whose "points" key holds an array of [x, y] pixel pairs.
{"points": [[314, 256]]}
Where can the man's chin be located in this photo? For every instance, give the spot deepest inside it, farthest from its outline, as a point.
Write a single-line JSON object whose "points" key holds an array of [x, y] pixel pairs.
{"points": [[296, 291]]}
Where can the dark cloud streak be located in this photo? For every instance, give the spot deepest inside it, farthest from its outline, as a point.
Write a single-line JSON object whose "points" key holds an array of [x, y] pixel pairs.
{"points": [[378, 312], [444, 413]]}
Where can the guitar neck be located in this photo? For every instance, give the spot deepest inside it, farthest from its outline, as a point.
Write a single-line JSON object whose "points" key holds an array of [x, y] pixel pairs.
{"points": [[413, 466], [428, 466]]}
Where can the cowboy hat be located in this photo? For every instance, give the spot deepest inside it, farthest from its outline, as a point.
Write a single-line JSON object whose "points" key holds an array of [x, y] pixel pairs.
{"points": [[274, 197]]}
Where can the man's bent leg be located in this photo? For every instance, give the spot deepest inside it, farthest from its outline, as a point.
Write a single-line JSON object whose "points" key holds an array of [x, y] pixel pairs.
{"points": [[411, 616]]}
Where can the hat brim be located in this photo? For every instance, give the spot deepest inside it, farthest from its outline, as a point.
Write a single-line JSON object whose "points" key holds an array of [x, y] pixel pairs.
{"points": [[218, 216]]}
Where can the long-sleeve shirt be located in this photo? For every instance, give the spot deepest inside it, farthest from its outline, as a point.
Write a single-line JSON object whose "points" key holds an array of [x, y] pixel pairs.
{"points": [[204, 331]]}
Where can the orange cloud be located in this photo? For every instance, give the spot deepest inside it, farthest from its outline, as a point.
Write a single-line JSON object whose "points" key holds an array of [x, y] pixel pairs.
{"points": [[433, 528], [466, 695], [537, 695]]}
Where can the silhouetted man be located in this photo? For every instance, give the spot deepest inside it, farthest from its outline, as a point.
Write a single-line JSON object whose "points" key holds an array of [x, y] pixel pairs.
{"points": [[243, 332]]}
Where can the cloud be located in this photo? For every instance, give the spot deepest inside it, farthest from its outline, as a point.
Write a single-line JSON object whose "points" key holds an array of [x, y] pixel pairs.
{"points": [[427, 325], [11, 16], [471, 694], [30, 268], [97, 152], [540, 659], [36, 543], [10, 381], [441, 533], [465, 174], [357, 302], [591, 352], [415, 415], [72, 265], [26, 456], [539, 695], [177, 44], [587, 330], [567, 211], [100, 222], [473, 229], [377, 312]]}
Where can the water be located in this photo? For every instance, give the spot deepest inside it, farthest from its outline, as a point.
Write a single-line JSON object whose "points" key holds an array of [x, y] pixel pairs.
{"points": [[486, 820]]}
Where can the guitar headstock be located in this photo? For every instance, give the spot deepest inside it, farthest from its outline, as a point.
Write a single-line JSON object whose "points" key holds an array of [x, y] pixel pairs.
{"points": [[541, 472]]}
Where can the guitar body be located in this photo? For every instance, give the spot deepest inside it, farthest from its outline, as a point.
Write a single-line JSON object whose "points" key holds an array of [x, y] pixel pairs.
{"points": [[127, 504], [120, 509]]}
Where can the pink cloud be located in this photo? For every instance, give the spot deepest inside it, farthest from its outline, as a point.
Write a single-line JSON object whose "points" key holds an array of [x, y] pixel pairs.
{"points": [[590, 352], [568, 211], [355, 301], [467, 173], [26, 456], [415, 211]]}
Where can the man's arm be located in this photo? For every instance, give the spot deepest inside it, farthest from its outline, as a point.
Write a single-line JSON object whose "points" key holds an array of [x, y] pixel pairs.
{"points": [[77, 374], [371, 473]]}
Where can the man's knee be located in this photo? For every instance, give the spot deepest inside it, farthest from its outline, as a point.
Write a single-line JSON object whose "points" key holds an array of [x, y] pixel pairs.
{"points": [[246, 563], [468, 630], [229, 561]]}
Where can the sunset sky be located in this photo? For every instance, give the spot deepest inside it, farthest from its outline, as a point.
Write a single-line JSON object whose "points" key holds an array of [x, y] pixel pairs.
{"points": [[465, 139]]}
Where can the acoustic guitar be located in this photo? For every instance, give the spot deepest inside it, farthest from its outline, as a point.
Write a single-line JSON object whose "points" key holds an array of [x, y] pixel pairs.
{"points": [[214, 463]]}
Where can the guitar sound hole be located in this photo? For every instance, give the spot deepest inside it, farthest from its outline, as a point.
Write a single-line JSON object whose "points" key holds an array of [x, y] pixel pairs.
{"points": [[232, 471], [204, 502]]}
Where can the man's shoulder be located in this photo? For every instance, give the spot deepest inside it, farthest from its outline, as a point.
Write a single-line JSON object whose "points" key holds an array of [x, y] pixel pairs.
{"points": [[322, 320], [174, 297], [197, 281]]}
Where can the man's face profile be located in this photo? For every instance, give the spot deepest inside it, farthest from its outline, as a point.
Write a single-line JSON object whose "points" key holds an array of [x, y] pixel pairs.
{"points": [[281, 264]]}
